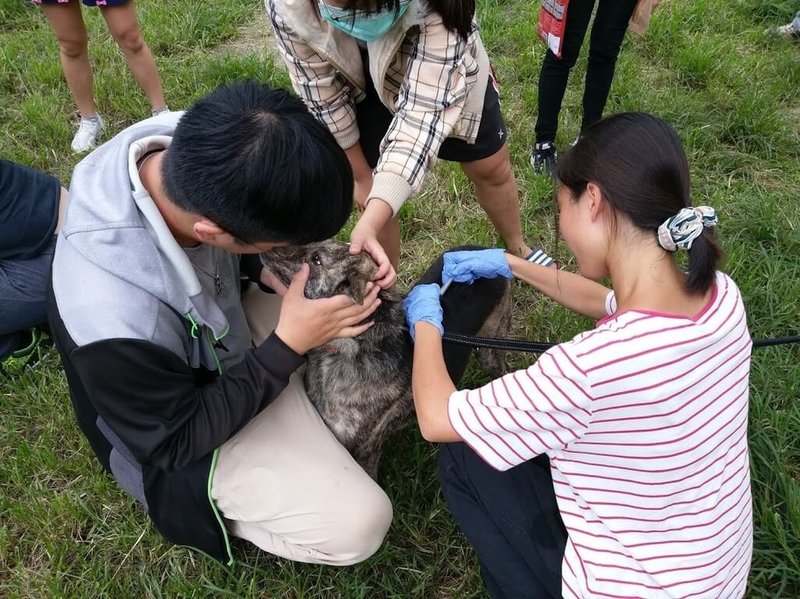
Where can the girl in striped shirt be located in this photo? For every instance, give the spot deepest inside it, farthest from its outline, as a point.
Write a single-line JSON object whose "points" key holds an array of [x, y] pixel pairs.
{"points": [[616, 465]]}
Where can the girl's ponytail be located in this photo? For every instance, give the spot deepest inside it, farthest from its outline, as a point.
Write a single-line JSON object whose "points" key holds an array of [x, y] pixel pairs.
{"points": [[692, 229], [704, 257]]}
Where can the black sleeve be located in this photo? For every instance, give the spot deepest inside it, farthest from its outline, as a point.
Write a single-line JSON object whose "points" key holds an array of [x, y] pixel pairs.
{"points": [[151, 399]]}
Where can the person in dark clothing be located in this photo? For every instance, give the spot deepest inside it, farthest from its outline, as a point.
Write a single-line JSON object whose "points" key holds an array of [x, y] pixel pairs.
{"points": [[608, 31], [30, 205], [184, 385]]}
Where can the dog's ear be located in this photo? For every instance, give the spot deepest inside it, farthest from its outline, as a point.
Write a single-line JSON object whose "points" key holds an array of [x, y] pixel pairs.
{"points": [[354, 285]]}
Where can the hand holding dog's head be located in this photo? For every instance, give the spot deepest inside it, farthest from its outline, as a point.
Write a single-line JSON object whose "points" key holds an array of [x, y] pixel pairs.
{"points": [[332, 269]]}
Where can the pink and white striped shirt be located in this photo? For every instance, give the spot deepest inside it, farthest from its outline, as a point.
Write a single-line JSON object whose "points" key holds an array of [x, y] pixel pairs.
{"points": [[644, 419]]}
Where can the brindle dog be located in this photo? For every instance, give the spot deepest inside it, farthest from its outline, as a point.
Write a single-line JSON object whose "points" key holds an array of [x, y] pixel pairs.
{"points": [[362, 387]]}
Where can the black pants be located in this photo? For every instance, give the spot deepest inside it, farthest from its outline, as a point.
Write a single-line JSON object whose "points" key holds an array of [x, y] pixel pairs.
{"points": [[511, 518], [608, 31]]}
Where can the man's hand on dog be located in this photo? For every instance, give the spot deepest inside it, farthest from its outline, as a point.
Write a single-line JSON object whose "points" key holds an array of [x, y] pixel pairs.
{"points": [[305, 324]]}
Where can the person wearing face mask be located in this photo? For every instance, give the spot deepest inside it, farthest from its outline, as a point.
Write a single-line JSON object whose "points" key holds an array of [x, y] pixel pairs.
{"points": [[401, 83]]}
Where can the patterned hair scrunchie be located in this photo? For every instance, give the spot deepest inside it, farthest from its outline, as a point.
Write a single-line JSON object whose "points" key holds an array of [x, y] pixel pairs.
{"points": [[681, 230]]}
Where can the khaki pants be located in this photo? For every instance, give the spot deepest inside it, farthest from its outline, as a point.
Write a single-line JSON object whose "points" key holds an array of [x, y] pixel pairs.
{"points": [[284, 483]]}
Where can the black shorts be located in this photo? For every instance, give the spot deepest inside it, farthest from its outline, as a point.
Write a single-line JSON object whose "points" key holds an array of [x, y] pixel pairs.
{"points": [[374, 119]]}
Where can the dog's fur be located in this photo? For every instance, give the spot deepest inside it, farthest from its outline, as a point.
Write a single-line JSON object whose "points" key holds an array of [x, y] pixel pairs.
{"points": [[362, 386]]}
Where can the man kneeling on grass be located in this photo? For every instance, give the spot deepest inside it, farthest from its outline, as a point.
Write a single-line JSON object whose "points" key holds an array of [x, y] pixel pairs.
{"points": [[186, 387]]}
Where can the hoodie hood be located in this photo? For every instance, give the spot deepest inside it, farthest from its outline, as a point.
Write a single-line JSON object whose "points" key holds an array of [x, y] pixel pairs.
{"points": [[112, 223]]}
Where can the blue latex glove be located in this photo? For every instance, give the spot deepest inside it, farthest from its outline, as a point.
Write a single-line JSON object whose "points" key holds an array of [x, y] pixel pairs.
{"points": [[422, 304], [467, 265]]}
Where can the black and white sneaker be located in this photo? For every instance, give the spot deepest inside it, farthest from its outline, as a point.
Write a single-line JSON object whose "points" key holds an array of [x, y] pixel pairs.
{"points": [[544, 158], [540, 257]]}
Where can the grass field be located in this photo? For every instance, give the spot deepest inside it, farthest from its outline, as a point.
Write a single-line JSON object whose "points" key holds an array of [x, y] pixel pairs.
{"points": [[733, 94]]}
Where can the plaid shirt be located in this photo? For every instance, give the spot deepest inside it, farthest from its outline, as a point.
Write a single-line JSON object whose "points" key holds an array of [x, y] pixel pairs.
{"points": [[426, 83]]}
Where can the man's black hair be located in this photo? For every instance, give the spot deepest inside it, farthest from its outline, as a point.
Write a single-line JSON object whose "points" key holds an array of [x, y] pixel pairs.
{"points": [[255, 161]]}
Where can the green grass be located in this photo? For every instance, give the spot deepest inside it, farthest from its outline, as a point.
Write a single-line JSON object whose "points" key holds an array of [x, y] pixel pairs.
{"points": [[734, 96]]}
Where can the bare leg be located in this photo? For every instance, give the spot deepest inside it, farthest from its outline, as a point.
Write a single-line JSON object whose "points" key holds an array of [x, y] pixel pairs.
{"points": [[389, 238], [124, 28], [70, 31], [496, 190]]}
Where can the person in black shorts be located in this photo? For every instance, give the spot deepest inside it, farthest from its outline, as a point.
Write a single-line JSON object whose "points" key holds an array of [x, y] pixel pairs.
{"points": [[400, 84]]}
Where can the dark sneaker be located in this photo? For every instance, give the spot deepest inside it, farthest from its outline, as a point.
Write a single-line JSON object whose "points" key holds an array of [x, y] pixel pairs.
{"points": [[543, 158], [540, 257], [28, 354]]}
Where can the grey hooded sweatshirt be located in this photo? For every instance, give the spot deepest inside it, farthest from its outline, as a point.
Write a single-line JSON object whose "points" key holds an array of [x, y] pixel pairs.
{"points": [[154, 342]]}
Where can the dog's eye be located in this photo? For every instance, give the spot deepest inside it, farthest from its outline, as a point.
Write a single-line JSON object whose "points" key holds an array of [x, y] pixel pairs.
{"points": [[316, 259]]}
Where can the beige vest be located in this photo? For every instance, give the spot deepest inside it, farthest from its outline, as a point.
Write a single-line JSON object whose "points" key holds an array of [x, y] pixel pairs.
{"points": [[341, 51]]}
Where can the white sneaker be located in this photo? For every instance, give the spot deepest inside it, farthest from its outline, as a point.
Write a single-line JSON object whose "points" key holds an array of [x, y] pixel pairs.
{"points": [[160, 111], [86, 137]]}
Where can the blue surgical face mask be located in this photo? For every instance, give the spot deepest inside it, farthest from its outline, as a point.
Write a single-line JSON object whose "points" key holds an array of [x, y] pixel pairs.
{"points": [[364, 26]]}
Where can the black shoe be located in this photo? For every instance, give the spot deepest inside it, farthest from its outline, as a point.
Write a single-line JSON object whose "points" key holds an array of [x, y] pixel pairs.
{"points": [[29, 351], [544, 158]]}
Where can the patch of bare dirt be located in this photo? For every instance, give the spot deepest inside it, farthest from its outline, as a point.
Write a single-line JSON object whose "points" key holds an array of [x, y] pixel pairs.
{"points": [[254, 38]]}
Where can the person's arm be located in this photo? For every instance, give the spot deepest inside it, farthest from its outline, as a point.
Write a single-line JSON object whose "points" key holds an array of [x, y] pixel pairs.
{"points": [[373, 219], [430, 382], [526, 413], [63, 197], [151, 399], [427, 109], [364, 237], [510, 420], [571, 290], [325, 92], [431, 385]]}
